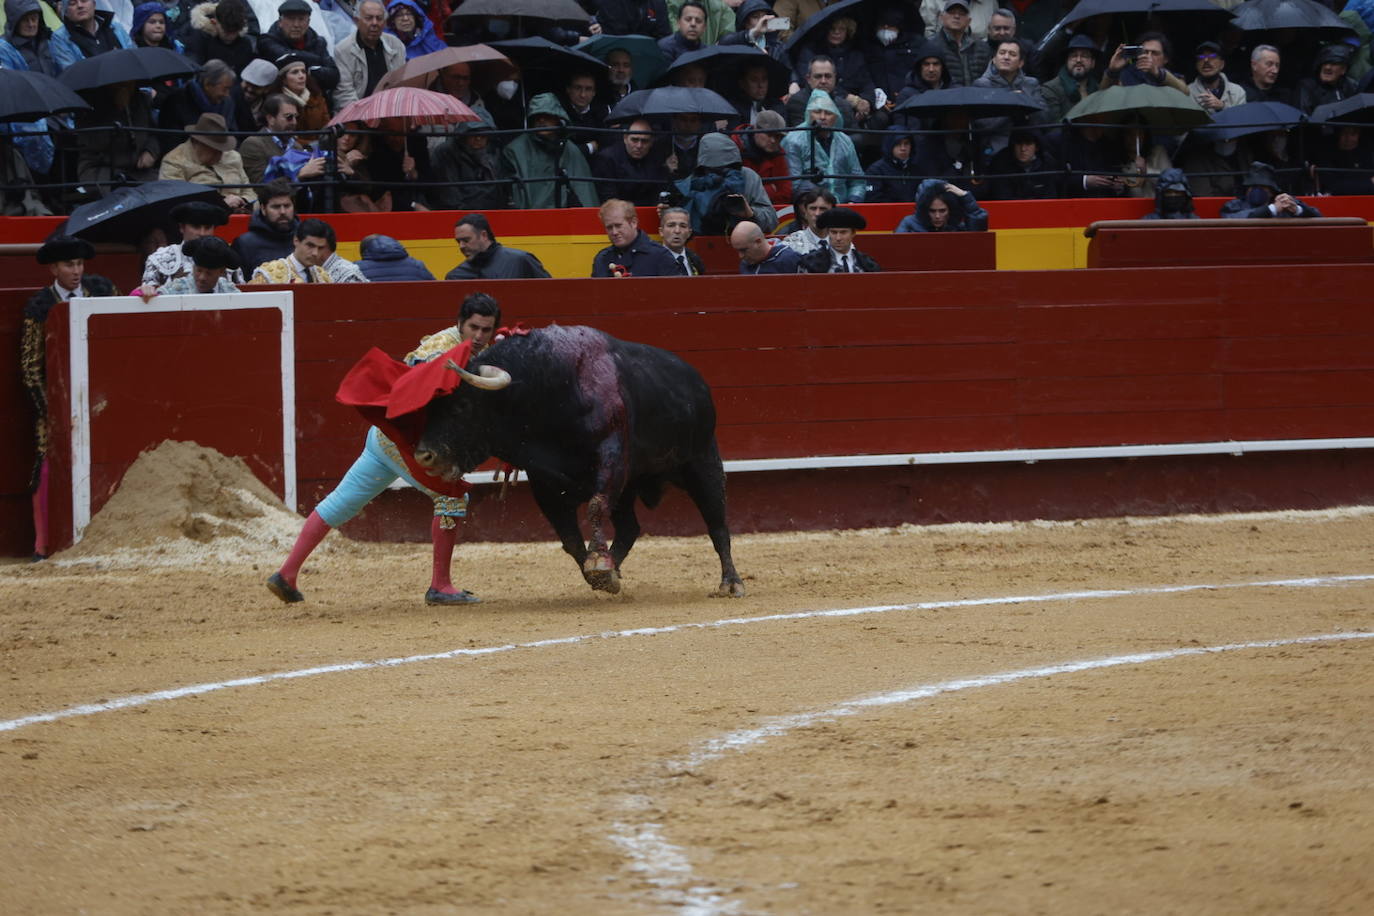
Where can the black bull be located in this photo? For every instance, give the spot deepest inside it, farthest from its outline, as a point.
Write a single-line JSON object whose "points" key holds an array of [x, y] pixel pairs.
{"points": [[591, 419]]}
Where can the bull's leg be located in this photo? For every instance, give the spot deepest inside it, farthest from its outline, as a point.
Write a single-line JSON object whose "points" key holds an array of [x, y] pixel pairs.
{"points": [[562, 515], [600, 566], [704, 481], [626, 526]]}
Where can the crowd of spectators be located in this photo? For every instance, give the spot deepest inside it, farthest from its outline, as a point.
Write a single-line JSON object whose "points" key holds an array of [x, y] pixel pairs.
{"points": [[266, 88]]}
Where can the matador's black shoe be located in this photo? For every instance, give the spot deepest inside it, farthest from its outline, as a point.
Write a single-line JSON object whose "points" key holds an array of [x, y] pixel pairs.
{"points": [[283, 589], [463, 596]]}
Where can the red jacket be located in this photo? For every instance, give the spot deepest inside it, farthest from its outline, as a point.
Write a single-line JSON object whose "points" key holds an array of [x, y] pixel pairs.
{"points": [[774, 166]]}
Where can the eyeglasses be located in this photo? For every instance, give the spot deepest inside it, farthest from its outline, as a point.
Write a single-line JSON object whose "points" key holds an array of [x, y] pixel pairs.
{"points": [[1210, 55], [639, 141]]}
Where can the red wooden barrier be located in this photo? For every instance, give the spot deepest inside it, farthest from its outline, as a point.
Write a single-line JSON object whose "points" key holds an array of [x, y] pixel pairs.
{"points": [[955, 361], [1180, 243], [906, 251]]}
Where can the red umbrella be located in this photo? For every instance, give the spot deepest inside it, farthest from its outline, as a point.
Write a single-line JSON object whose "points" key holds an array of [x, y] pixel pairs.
{"points": [[416, 106]]}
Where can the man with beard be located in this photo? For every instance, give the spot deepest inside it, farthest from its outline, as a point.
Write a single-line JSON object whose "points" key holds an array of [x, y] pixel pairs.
{"points": [[1212, 90], [1075, 80], [271, 227], [620, 71], [632, 169], [549, 171], [486, 258], [631, 252], [281, 114]]}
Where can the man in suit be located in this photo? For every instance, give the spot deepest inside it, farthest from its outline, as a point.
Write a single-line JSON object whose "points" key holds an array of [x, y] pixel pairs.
{"points": [[675, 229], [838, 255]]}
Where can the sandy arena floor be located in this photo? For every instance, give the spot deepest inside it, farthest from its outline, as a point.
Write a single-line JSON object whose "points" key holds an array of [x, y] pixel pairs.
{"points": [[947, 750]]}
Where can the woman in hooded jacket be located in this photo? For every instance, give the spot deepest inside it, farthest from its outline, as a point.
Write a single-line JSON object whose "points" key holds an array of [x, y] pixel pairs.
{"points": [[943, 207], [407, 21]]}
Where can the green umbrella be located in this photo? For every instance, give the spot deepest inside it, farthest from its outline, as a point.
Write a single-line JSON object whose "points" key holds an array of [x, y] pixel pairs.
{"points": [[646, 60], [1154, 106]]}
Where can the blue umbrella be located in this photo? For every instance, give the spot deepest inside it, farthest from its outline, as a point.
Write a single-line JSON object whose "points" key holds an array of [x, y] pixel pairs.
{"points": [[1252, 118], [646, 60]]}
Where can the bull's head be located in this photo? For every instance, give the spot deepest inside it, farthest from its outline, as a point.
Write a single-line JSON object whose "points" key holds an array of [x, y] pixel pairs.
{"points": [[457, 434]]}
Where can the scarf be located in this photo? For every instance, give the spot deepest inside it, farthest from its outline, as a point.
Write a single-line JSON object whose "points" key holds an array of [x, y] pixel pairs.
{"points": [[303, 99]]}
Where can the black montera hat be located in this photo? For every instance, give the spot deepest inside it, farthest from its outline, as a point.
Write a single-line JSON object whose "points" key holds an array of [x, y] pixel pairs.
{"points": [[211, 252], [200, 213], [841, 218], [65, 248]]}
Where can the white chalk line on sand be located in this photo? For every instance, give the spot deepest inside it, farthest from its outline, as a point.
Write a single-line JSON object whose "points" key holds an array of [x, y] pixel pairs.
{"points": [[191, 690], [666, 866]]}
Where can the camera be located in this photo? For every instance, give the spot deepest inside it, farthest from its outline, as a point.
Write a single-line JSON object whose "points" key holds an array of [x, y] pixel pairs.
{"points": [[1131, 52]]}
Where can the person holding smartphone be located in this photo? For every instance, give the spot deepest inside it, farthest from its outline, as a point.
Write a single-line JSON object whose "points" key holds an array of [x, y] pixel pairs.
{"points": [[1147, 61]]}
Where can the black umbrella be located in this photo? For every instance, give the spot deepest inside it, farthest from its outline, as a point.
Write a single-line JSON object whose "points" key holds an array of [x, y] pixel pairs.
{"points": [[126, 213], [539, 55], [27, 96], [1357, 109], [671, 100], [977, 102], [127, 65], [815, 24], [554, 10], [1086, 9], [725, 63], [1272, 15], [1251, 118]]}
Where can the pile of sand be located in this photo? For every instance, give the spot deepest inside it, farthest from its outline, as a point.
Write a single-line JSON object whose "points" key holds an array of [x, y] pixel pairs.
{"points": [[181, 504]]}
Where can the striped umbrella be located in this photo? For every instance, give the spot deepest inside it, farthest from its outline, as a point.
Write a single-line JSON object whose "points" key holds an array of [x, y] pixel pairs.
{"points": [[416, 106]]}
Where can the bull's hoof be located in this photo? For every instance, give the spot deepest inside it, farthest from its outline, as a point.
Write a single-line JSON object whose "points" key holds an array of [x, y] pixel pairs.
{"points": [[729, 590], [600, 572]]}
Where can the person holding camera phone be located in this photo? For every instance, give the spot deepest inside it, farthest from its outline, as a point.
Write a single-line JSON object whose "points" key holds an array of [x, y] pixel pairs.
{"points": [[756, 24], [1146, 61]]}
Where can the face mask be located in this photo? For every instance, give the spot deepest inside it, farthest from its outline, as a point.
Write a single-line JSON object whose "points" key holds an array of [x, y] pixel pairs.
{"points": [[506, 89], [887, 36], [1257, 197], [1173, 204]]}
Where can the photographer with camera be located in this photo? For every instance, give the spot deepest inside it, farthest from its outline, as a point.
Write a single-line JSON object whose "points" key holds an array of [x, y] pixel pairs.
{"points": [[1146, 61], [722, 191]]}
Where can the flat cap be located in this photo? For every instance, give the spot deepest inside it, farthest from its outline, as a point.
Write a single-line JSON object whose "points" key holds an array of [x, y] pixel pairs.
{"points": [[293, 6]]}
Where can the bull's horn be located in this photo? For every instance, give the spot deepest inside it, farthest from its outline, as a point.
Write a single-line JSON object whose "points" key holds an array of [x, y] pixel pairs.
{"points": [[491, 378]]}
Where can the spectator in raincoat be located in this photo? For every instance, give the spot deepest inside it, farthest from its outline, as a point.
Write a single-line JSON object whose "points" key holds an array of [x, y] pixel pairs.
{"points": [[549, 170], [824, 151], [944, 207], [406, 20]]}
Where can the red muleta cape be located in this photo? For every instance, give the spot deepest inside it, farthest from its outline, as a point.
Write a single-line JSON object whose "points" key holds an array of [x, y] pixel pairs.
{"points": [[395, 398]]}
